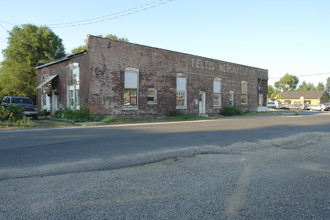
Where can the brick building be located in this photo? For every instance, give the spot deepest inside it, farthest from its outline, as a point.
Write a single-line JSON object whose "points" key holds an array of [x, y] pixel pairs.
{"points": [[120, 78]]}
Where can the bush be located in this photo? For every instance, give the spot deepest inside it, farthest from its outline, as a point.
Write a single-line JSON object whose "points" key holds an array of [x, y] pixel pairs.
{"points": [[231, 111], [77, 115], [26, 122], [11, 113], [108, 119], [44, 112], [176, 113]]}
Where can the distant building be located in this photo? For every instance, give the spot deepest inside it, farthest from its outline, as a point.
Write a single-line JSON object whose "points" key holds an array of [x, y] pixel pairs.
{"points": [[305, 97], [126, 79]]}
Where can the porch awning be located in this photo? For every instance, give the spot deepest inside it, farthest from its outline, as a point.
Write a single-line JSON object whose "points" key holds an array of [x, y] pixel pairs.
{"points": [[47, 81]]}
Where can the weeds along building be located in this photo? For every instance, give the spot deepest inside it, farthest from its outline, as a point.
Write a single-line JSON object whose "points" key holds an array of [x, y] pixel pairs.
{"points": [[125, 79]]}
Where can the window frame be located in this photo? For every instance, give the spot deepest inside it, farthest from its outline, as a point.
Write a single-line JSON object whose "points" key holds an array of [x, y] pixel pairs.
{"points": [[73, 86], [217, 93], [44, 77], [244, 94], [131, 73], [154, 96], [181, 92], [131, 98]]}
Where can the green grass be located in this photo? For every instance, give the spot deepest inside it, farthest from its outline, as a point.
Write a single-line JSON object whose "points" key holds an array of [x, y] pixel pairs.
{"points": [[25, 122]]}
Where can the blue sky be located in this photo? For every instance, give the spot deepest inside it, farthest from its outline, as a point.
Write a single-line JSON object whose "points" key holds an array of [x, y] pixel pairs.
{"points": [[283, 36]]}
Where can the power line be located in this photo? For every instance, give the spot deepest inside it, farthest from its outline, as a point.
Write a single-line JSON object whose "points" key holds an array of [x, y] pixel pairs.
{"points": [[6, 31], [112, 16], [7, 22], [4, 28], [132, 10], [125, 13], [315, 74]]}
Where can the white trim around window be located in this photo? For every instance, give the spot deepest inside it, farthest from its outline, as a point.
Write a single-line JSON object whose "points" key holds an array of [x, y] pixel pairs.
{"points": [[217, 93], [181, 91], [131, 86], [244, 92]]}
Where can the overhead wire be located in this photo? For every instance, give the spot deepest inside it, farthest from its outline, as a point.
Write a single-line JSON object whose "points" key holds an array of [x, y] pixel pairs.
{"points": [[4, 28], [121, 13], [7, 31], [306, 75], [125, 13], [99, 19]]}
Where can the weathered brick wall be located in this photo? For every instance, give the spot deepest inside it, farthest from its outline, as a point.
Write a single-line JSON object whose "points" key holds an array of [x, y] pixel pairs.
{"points": [[60, 83], [158, 69]]}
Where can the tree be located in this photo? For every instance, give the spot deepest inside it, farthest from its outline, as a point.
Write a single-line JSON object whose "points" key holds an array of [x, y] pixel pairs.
{"points": [[114, 37], [272, 92], [320, 86], [27, 46], [303, 86], [328, 85], [311, 86], [109, 36], [287, 83], [78, 49], [306, 86]]}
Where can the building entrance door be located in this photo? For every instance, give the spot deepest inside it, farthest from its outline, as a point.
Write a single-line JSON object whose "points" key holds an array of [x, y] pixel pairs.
{"points": [[202, 97], [54, 103], [231, 98]]}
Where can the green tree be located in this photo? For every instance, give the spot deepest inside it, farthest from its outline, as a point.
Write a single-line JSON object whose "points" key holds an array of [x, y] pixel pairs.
{"points": [[287, 83], [109, 36], [328, 85], [303, 86], [78, 49], [306, 86], [27, 46], [273, 93], [320, 87]]}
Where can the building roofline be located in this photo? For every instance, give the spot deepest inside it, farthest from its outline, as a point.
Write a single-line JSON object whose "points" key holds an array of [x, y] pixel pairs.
{"points": [[61, 59], [183, 53], [306, 94]]}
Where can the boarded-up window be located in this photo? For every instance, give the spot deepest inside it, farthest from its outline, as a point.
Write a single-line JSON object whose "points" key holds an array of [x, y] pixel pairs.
{"points": [[244, 93], [217, 92], [181, 93], [217, 86], [131, 80], [181, 84], [131, 83]]}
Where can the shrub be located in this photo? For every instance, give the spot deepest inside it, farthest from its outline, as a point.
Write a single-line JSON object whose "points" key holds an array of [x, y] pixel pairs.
{"points": [[231, 111], [176, 113], [108, 119], [25, 122], [44, 112], [11, 113], [77, 115]]}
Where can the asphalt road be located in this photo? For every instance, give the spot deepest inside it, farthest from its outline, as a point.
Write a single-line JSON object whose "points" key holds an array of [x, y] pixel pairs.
{"points": [[236, 168]]}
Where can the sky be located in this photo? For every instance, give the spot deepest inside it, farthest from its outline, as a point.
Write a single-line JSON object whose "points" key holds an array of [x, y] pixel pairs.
{"points": [[282, 36]]}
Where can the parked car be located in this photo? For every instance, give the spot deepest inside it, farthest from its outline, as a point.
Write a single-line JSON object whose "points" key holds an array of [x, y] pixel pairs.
{"points": [[29, 108], [320, 107], [275, 104], [299, 106], [271, 105]]}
